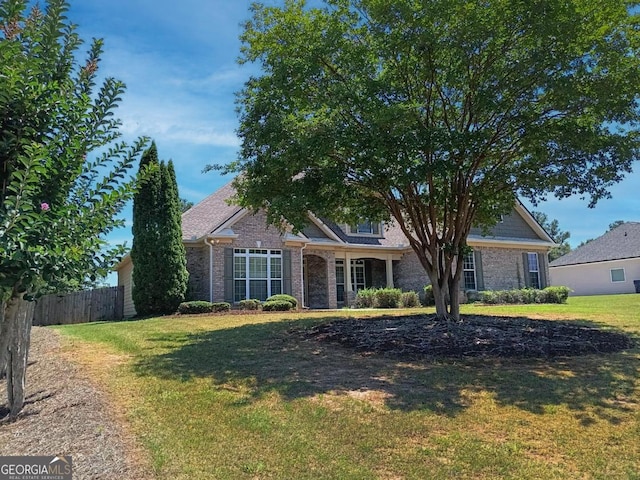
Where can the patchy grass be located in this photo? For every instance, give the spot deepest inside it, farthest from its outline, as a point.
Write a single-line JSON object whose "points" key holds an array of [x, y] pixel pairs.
{"points": [[240, 396]]}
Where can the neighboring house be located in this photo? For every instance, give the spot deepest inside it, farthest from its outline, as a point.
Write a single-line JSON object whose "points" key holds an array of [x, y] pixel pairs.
{"points": [[232, 254], [607, 265]]}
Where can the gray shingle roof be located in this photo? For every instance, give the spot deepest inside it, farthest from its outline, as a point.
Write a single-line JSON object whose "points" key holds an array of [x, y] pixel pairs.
{"points": [[620, 243], [204, 217]]}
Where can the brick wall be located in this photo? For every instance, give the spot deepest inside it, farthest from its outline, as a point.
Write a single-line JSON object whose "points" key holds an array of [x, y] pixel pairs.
{"points": [[198, 267], [250, 230]]}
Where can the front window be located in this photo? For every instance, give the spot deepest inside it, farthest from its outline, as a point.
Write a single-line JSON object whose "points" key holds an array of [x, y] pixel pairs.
{"points": [[617, 275], [358, 278], [534, 270], [469, 272], [257, 273], [357, 275], [366, 228]]}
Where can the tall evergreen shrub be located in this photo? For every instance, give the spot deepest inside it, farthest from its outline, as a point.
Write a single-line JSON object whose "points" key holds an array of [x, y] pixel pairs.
{"points": [[159, 260]]}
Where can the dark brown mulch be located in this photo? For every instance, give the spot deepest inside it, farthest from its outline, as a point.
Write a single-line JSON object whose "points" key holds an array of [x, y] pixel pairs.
{"points": [[474, 336]]}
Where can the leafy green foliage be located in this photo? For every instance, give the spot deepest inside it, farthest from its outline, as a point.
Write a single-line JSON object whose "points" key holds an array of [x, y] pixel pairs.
{"points": [[197, 306], [435, 114], [185, 205], [409, 300], [250, 304], [365, 298], [285, 298], [160, 274], [63, 174], [558, 236], [525, 295], [277, 306], [387, 297]]}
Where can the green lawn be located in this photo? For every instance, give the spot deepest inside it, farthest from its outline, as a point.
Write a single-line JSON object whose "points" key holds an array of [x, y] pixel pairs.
{"points": [[243, 396]]}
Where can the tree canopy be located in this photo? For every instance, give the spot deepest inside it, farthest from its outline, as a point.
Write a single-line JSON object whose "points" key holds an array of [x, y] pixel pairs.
{"points": [[558, 236], [435, 114], [64, 173]]}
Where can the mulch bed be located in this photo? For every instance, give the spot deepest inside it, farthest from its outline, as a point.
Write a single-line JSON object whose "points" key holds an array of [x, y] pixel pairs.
{"points": [[422, 336]]}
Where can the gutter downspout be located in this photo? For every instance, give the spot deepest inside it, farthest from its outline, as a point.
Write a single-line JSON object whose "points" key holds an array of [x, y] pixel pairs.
{"points": [[210, 269]]}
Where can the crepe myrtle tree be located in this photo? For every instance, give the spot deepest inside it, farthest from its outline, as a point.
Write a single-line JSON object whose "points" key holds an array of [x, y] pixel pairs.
{"points": [[436, 114], [63, 173]]}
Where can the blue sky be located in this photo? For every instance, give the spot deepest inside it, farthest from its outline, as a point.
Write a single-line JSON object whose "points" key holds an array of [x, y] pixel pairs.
{"points": [[178, 60]]}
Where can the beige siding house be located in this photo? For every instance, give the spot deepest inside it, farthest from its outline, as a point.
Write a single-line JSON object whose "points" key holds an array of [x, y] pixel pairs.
{"points": [[607, 265], [232, 254]]}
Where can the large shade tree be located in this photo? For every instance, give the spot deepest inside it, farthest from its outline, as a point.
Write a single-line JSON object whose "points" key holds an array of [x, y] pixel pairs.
{"points": [[63, 174], [436, 114]]}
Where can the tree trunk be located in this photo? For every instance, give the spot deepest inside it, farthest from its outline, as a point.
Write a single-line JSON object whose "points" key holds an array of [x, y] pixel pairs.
{"points": [[16, 333]]}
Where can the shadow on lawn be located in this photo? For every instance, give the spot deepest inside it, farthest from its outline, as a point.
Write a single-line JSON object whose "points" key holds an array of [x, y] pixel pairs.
{"points": [[275, 357]]}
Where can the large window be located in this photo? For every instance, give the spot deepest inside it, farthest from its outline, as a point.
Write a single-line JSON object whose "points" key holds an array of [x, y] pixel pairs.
{"points": [[366, 227], [257, 273], [534, 270], [469, 272], [617, 275]]}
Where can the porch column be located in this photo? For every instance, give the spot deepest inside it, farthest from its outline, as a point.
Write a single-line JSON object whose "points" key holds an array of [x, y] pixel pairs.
{"points": [[348, 288], [389, 271]]}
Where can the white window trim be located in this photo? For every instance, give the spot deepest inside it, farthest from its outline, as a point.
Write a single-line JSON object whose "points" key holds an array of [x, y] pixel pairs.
{"points": [[537, 270], [624, 275], [350, 230], [355, 263], [246, 253], [475, 275]]}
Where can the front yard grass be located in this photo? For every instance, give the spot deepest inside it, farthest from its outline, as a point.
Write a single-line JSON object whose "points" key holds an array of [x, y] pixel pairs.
{"points": [[243, 396]]}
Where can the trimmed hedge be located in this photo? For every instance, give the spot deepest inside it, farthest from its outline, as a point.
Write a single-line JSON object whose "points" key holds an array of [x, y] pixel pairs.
{"points": [[387, 298], [525, 296], [409, 300], [384, 298], [365, 298], [277, 306], [195, 307], [199, 306], [250, 304], [221, 306], [283, 297]]}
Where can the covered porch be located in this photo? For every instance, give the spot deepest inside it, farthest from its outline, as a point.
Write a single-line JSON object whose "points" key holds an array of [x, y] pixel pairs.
{"points": [[332, 279]]}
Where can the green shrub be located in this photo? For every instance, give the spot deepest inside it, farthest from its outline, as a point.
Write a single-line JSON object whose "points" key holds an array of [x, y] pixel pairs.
{"points": [[429, 299], [556, 294], [409, 300], [387, 298], [221, 306], [196, 306], [365, 298], [525, 296], [283, 297], [277, 306], [250, 304]]}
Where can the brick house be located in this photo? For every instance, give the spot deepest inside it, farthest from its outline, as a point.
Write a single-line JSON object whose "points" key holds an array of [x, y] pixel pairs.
{"points": [[232, 254]]}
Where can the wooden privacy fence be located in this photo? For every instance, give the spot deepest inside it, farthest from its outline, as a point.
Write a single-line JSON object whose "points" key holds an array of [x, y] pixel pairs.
{"points": [[80, 307]]}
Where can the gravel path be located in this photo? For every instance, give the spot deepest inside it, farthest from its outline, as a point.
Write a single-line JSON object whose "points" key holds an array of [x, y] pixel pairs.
{"points": [[66, 414]]}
